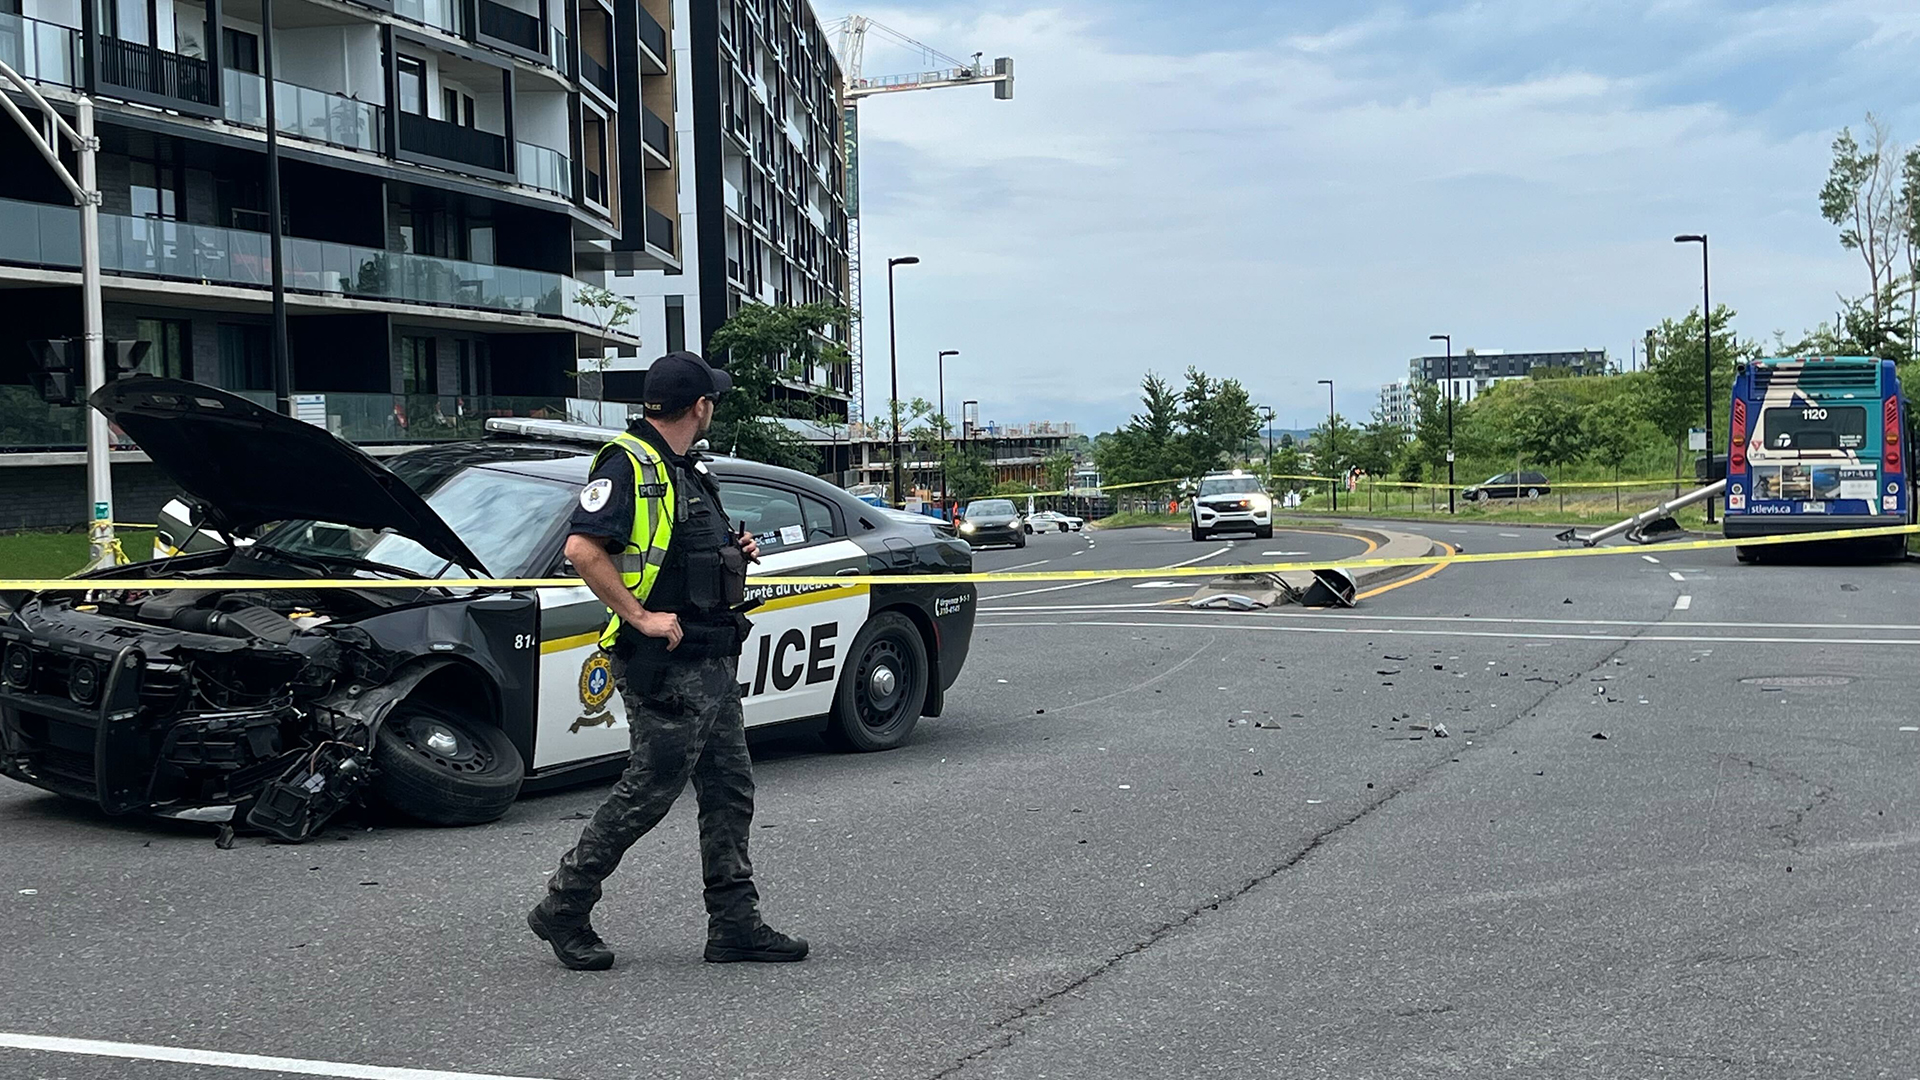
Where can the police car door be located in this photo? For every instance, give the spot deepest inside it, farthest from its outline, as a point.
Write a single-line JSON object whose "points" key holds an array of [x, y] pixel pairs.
{"points": [[791, 663]]}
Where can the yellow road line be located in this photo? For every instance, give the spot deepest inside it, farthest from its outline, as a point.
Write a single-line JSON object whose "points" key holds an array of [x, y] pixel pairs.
{"points": [[1421, 576]]}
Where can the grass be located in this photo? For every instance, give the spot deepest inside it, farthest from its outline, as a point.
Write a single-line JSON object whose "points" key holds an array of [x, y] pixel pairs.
{"points": [[1134, 518], [60, 554]]}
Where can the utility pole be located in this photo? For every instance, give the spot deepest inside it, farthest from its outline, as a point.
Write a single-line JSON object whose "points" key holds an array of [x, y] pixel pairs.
{"points": [[942, 362], [893, 360], [1706, 352], [1267, 412], [1448, 338], [101, 547], [282, 363], [1333, 489]]}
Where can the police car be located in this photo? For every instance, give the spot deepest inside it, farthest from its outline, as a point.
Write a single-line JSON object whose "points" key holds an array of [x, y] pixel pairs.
{"points": [[282, 706]]}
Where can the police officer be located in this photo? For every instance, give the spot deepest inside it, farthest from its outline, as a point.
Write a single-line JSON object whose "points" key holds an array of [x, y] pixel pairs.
{"points": [[651, 539]]}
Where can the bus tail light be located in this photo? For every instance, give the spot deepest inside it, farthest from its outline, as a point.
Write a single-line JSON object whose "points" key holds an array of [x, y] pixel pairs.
{"points": [[1737, 448], [1890, 454]]}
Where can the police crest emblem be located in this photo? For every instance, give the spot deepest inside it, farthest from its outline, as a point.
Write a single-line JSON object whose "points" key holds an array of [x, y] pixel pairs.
{"points": [[596, 680]]}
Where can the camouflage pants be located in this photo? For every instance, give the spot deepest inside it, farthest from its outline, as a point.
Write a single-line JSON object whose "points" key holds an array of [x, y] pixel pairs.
{"points": [[691, 728]]}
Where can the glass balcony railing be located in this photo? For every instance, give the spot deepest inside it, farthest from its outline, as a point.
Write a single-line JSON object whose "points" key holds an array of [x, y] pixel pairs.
{"points": [[557, 48], [546, 169], [653, 35], [443, 14], [304, 113], [41, 51], [43, 234], [656, 133], [659, 230], [411, 418], [595, 72]]}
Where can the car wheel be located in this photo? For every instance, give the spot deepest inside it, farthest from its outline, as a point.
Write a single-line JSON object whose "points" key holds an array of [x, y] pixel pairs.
{"points": [[1028, 529], [1063, 526], [1020, 540], [1263, 533], [1199, 533], [1746, 554], [1533, 493], [443, 767], [881, 692]]}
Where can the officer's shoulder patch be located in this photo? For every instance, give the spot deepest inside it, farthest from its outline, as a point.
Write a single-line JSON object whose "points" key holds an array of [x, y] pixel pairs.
{"points": [[652, 491], [595, 495]]}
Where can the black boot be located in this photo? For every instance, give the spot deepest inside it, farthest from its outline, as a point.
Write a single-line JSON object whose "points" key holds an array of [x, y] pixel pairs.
{"points": [[578, 947], [760, 945]]}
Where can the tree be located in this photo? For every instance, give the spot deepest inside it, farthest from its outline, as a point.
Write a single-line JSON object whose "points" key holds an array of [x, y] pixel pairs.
{"points": [[1550, 432], [968, 474], [1608, 427], [1671, 396], [1059, 466], [1378, 445], [1143, 450], [762, 345], [1428, 451], [610, 312], [1331, 457], [1865, 196], [1216, 418]]}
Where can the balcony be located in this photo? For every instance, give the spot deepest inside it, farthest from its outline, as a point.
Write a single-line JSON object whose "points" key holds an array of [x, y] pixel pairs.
{"points": [[41, 51], [658, 137], [439, 14], [546, 169], [415, 418], [453, 144], [557, 49], [659, 230], [304, 113], [47, 235], [653, 40], [597, 74], [507, 26], [156, 73]]}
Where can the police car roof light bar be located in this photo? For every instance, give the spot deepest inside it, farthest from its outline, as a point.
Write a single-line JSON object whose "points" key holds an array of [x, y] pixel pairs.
{"points": [[554, 430]]}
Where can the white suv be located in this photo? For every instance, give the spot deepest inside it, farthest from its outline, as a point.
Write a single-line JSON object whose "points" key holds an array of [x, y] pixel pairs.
{"points": [[1231, 502]]}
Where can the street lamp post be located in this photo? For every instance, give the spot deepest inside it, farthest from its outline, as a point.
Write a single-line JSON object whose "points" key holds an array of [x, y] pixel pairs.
{"points": [[942, 361], [1333, 489], [1448, 338], [893, 361], [1706, 352], [1266, 411]]}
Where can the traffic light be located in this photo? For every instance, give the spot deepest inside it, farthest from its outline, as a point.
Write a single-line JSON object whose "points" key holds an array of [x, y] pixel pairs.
{"points": [[125, 357], [59, 370]]}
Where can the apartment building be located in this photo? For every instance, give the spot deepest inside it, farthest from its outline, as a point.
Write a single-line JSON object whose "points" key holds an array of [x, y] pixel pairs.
{"points": [[452, 173], [1471, 372], [1396, 403], [762, 196]]}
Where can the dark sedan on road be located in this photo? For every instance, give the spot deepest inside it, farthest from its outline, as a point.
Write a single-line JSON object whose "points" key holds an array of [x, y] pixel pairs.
{"points": [[992, 521], [1525, 484], [280, 704]]}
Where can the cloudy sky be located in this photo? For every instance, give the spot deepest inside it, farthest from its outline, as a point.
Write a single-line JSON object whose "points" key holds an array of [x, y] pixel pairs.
{"points": [[1289, 190]]}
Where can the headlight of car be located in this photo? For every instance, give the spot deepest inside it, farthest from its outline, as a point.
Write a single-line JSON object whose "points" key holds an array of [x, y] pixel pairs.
{"points": [[1260, 503], [18, 666], [966, 526], [83, 682]]}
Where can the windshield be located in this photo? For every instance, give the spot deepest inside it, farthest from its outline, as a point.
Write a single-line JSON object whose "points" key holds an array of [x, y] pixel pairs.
{"points": [[1230, 485], [990, 508], [501, 517]]}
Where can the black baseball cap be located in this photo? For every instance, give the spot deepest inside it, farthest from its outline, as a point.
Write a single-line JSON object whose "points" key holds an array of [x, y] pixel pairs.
{"points": [[679, 379]]}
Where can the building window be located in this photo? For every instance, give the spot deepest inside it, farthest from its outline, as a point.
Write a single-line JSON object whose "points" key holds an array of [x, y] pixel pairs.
{"points": [[476, 371], [413, 85], [240, 50], [169, 347], [246, 361], [154, 190], [676, 323], [418, 369], [456, 107]]}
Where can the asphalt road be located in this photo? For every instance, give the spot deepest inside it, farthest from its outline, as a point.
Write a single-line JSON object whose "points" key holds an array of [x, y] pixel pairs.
{"points": [[1145, 841]]}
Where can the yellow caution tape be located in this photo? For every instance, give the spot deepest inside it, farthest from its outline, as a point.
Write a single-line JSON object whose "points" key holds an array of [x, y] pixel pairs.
{"points": [[1156, 573]]}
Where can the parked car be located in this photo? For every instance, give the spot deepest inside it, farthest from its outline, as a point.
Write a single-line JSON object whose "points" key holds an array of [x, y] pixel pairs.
{"points": [[1231, 502], [1509, 485], [1053, 521], [281, 706], [992, 521]]}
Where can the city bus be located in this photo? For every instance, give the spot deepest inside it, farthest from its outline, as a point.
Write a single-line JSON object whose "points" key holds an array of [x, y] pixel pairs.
{"points": [[1817, 443]]}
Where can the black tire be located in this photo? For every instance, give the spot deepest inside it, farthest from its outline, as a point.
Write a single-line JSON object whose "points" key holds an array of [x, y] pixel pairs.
{"points": [[1020, 540], [864, 719], [469, 780], [1028, 529], [1746, 554], [1265, 533], [1199, 533], [1533, 493]]}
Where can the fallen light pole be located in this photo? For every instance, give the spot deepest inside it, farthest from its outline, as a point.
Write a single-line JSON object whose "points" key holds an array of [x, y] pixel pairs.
{"points": [[1636, 525], [102, 551]]}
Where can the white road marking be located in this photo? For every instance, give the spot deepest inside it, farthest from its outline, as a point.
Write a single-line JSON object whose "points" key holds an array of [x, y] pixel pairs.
{"points": [[1487, 620], [1513, 536], [1024, 566], [220, 1060], [1097, 581], [1910, 729], [1286, 553], [1650, 558], [1675, 575], [1251, 625], [1162, 585], [1682, 603]]}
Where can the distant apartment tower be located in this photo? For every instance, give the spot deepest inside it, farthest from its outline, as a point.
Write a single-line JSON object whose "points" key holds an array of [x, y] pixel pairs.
{"points": [[452, 173], [762, 185], [1396, 403], [1475, 370]]}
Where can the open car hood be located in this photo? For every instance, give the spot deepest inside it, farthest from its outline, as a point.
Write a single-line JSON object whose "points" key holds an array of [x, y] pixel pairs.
{"points": [[249, 466]]}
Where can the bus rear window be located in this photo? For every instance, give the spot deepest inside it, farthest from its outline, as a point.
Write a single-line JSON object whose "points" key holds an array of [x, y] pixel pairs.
{"points": [[1815, 427]]}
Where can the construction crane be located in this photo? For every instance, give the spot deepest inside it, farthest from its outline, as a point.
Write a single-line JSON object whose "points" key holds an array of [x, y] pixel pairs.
{"points": [[942, 71]]}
